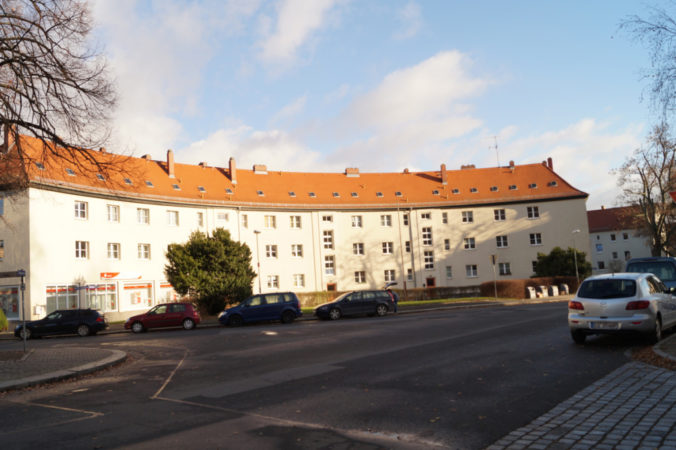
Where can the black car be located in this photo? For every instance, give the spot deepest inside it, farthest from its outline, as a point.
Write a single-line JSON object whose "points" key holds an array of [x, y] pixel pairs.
{"points": [[67, 321], [282, 306], [357, 303]]}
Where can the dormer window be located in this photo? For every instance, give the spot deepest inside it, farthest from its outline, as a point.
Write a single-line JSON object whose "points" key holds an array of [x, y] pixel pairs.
{"points": [[512, 187], [201, 189], [379, 194], [455, 191], [397, 194], [70, 172], [228, 191], [354, 195], [149, 183], [260, 193], [176, 187], [312, 195], [40, 166], [336, 195], [473, 190], [494, 188], [292, 194], [532, 186], [552, 184], [435, 192], [127, 181], [100, 177]]}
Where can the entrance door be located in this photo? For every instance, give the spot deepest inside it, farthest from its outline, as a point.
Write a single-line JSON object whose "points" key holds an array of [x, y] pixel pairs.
{"points": [[430, 282]]}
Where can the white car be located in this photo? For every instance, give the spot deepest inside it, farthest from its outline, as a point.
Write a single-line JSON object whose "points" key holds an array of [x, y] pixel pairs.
{"points": [[621, 303]]}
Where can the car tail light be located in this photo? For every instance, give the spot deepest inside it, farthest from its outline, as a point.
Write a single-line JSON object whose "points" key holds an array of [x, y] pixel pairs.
{"points": [[638, 304], [99, 319], [575, 305]]}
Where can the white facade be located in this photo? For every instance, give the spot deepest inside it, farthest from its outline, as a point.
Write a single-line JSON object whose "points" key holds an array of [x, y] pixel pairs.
{"points": [[610, 250]]}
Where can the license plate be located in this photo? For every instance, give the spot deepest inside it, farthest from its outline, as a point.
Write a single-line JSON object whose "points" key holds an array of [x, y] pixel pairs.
{"points": [[604, 325]]}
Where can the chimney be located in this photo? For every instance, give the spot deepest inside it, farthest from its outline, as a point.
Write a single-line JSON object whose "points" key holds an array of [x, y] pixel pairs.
{"points": [[102, 150], [352, 172], [511, 165], [406, 170], [147, 157], [550, 163], [233, 170], [203, 165], [444, 175], [260, 169], [170, 163], [9, 132]]}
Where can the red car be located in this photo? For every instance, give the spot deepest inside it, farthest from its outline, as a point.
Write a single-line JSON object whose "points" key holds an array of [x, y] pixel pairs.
{"points": [[165, 315]]}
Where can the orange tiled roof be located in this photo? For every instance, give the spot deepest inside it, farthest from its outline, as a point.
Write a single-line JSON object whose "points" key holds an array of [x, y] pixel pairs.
{"points": [[149, 179], [609, 219]]}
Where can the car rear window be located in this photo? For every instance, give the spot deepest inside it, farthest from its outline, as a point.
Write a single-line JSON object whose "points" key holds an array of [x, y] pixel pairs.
{"points": [[664, 270], [607, 288]]}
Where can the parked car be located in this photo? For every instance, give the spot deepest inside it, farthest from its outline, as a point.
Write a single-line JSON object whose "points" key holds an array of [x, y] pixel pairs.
{"points": [[357, 303], [165, 315], [83, 322], [661, 266], [621, 303], [282, 306]]}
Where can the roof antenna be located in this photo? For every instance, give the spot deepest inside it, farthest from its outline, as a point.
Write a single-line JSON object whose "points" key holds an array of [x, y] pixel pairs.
{"points": [[495, 146]]}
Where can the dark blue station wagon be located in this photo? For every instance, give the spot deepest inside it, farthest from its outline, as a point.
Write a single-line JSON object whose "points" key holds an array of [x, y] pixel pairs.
{"points": [[282, 306]]}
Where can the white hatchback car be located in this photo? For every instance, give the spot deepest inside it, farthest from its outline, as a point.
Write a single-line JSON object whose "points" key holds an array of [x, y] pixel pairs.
{"points": [[621, 303]]}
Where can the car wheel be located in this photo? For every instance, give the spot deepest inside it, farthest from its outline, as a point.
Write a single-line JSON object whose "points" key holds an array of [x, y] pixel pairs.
{"points": [[334, 314], [657, 332], [578, 336], [137, 327], [235, 321], [188, 324], [288, 317], [25, 332], [83, 330], [381, 310]]}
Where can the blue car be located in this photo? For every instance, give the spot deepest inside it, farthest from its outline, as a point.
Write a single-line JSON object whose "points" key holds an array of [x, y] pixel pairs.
{"points": [[282, 306]]}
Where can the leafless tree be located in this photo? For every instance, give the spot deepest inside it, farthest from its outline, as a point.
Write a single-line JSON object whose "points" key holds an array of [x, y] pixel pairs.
{"points": [[646, 179], [53, 83], [658, 33]]}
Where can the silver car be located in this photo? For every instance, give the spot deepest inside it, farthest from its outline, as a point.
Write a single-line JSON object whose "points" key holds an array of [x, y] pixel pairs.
{"points": [[621, 303]]}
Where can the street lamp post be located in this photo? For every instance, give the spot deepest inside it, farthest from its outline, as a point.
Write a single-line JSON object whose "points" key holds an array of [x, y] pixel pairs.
{"points": [[258, 262], [577, 275]]}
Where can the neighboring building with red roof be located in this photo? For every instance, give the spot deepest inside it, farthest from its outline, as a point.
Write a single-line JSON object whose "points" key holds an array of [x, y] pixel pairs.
{"points": [[615, 238], [74, 225]]}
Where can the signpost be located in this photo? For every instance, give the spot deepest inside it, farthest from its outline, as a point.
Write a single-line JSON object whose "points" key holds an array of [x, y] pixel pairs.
{"points": [[494, 259]]}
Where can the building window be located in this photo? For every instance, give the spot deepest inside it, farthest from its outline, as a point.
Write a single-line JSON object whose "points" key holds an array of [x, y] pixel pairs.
{"points": [[471, 271], [273, 281], [143, 216], [386, 220], [469, 243], [360, 277], [535, 239], [449, 272], [467, 217], [81, 249], [427, 235], [389, 276], [533, 212], [222, 217], [625, 236], [504, 268], [172, 218], [405, 219], [298, 280], [245, 221], [113, 250], [612, 236], [113, 213], [447, 244], [270, 251], [144, 251], [356, 221], [444, 217], [614, 255], [328, 239], [501, 241], [2, 250], [627, 255], [200, 219], [429, 259], [297, 250], [327, 218], [81, 210], [330, 265], [599, 248], [295, 222], [387, 248], [534, 265], [602, 265], [407, 246], [426, 216], [358, 248], [270, 222], [499, 215], [409, 274]]}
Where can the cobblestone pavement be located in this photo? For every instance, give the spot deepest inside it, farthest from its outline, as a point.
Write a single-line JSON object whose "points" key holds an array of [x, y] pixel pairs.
{"points": [[634, 407]]}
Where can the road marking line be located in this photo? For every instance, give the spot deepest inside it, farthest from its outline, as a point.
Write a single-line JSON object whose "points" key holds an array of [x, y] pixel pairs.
{"points": [[88, 415], [171, 375]]}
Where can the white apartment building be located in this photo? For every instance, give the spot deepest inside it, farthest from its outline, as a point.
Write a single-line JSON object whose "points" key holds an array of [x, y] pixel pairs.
{"points": [[99, 239], [615, 238]]}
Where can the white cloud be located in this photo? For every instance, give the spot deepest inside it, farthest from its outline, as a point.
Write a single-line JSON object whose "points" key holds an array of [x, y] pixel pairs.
{"points": [[411, 20], [297, 21], [291, 110]]}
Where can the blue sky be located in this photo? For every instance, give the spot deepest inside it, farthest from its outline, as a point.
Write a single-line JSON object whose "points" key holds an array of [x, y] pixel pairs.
{"points": [[383, 85]]}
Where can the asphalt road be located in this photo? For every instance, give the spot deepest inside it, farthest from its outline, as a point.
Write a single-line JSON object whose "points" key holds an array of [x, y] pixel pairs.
{"points": [[450, 379]]}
